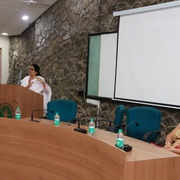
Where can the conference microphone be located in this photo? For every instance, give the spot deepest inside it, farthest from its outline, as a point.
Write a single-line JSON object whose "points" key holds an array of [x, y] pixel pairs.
{"points": [[133, 122], [15, 81], [127, 147], [78, 129], [32, 114]]}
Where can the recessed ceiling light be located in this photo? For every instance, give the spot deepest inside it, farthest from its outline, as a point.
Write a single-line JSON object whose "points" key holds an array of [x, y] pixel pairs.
{"points": [[5, 34], [25, 18]]}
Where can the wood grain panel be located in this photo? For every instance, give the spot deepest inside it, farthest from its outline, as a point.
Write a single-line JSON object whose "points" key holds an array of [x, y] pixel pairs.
{"points": [[26, 99], [41, 151], [37, 151]]}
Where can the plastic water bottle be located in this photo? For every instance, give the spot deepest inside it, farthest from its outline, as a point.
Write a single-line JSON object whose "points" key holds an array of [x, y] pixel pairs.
{"points": [[120, 139], [18, 113], [91, 129], [56, 119]]}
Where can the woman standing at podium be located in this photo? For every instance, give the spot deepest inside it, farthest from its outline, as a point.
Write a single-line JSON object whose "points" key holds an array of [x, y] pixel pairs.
{"points": [[35, 82]]}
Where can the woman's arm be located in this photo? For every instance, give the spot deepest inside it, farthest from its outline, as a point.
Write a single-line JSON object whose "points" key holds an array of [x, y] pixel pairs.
{"points": [[175, 150], [171, 137], [25, 82], [45, 85]]}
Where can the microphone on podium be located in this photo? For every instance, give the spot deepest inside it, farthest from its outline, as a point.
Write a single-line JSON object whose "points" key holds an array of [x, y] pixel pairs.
{"points": [[78, 129], [32, 114], [16, 81]]}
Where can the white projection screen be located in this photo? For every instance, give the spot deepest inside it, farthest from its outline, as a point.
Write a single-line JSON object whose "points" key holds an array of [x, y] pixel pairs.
{"points": [[148, 60]]}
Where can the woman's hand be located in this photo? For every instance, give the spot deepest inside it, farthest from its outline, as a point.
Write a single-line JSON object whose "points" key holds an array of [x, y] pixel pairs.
{"points": [[39, 79], [29, 83], [167, 145], [42, 81], [172, 149]]}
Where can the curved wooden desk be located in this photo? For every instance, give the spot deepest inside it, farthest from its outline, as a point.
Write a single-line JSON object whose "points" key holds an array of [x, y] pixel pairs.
{"points": [[36, 151]]}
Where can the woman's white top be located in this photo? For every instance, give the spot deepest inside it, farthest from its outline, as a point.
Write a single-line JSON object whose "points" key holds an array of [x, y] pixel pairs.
{"points": [[38, 88]]}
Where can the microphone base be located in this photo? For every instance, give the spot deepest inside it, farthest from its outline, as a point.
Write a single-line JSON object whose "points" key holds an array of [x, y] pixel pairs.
{"points": [[127, 147], [84, 131], [34, 121]]}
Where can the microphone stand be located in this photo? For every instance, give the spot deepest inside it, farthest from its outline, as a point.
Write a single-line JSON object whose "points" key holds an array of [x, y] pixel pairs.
{"points": [[84, 131], [133, 122], [32, 114], [12, 82], [127, 147]]}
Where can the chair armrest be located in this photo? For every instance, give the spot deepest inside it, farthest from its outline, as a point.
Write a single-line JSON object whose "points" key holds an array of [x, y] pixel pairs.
{"points": [[145, 137]]}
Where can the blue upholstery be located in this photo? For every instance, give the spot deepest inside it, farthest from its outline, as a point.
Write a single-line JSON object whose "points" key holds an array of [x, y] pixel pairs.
{"points": [[119, 115], [118, 120], [142, 120], [67, 110]]}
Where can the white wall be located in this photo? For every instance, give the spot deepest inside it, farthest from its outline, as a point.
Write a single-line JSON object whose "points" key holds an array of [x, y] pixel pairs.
{"points": [[4, 45]]}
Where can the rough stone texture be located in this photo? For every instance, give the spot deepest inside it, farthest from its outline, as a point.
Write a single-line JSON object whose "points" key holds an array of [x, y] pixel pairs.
{"points": [[58, 40]]}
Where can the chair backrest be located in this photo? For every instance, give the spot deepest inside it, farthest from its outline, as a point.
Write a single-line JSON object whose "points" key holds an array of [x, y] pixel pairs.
{"points": [[67, 110], [119, 115], [141, 120]]}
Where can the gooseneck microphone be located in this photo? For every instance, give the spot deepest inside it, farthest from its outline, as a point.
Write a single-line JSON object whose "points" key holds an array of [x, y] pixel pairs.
{"points": [[32, 114], [78, 129], [15, 81], [133, 122], [127, 147]]}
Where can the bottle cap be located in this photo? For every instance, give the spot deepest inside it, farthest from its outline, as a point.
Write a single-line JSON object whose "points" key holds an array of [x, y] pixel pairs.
{"points": [[120, 131], [92, 119], [57, 113]]}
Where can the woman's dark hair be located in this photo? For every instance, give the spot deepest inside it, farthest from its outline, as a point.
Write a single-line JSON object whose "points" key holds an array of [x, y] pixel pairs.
{"points": [[37, 69]]}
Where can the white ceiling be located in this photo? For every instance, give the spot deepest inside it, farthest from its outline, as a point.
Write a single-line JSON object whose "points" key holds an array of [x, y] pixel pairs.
{"points": [[11, 12]]}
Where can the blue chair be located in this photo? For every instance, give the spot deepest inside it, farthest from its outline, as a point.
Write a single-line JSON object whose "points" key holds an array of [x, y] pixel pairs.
{"points": [[67, 110], [115, 125], [143, 123]]}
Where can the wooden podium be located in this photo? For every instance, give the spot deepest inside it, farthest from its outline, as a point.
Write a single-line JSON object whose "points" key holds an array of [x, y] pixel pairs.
{"points": [[13, 96]]}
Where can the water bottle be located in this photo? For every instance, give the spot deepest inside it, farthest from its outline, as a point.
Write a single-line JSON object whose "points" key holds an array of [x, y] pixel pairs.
{"points": [[56, 119], [91, 129], [18, 113], [120, 139]]}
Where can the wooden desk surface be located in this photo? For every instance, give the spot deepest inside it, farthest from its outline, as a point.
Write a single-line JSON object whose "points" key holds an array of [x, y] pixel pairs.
{"points": [[141, 150], [31, 150]]}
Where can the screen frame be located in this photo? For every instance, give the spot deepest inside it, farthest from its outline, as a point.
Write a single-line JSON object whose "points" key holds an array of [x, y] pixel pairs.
{"points": [[88, 95]]}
